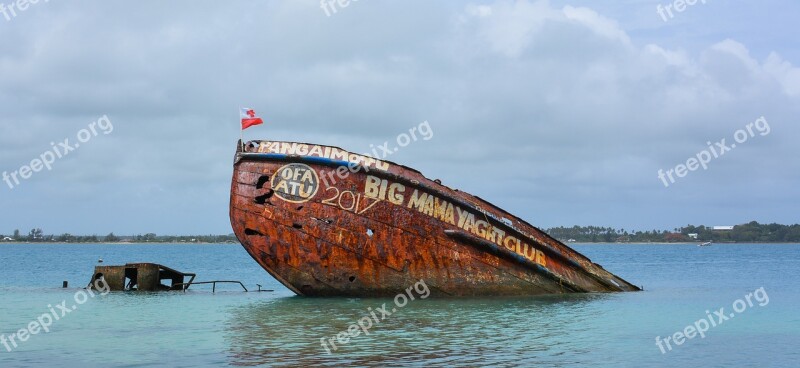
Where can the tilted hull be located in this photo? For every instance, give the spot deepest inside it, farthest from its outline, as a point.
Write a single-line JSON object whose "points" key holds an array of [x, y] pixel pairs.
{"points": [[327, 222]]}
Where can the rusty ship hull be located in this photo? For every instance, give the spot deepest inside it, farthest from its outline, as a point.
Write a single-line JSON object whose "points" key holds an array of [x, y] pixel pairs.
{"points": [[327, 222]]}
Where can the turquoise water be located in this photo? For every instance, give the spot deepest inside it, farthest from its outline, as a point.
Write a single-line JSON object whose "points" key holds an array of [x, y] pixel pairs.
{"points": [[232, 328]]}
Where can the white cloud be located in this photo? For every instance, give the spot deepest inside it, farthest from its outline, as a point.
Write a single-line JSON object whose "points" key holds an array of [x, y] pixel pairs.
{"points": [[598, 23], [783, 72], [508, 27]]}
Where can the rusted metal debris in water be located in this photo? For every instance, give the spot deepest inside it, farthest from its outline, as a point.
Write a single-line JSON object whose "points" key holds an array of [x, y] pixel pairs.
{"points": [[149, 277]]}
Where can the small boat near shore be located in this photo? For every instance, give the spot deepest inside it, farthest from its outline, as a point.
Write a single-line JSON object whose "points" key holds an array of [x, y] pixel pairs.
{"points": [[706, 244], [328, 222]]}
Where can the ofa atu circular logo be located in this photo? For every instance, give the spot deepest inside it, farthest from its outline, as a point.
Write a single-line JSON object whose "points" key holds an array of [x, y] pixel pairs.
{"points": [[296, 183]]}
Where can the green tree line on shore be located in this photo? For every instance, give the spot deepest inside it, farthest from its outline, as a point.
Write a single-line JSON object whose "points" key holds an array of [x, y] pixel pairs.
{"points": [[37, 235], [751, 232]]}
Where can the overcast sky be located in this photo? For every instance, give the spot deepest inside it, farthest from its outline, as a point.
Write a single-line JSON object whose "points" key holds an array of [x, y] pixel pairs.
{"points": [[561, 112]]}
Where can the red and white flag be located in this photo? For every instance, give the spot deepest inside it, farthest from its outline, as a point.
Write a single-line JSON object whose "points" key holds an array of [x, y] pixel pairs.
{"points": [[249, 118]]}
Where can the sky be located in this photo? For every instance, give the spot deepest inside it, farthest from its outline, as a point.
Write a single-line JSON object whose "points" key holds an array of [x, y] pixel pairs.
{"points": [[561, 112]]}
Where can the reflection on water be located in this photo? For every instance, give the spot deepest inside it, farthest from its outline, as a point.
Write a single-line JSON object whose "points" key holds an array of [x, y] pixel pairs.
{"points": [[466, 332]]}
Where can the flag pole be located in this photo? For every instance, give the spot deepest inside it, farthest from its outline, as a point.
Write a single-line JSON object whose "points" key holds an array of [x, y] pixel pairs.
{"points": [[241, 130]]}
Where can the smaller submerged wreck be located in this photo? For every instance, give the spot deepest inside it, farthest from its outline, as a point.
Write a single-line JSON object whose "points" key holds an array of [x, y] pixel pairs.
{"points": [[149, 277], [141, 277], [327, 222]]}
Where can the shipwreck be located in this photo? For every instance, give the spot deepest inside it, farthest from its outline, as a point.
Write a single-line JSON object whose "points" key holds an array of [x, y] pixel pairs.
{"points": [[324, 221]]}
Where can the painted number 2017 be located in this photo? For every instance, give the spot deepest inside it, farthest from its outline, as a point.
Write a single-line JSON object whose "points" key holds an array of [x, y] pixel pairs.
{"points": [[349, 200]]}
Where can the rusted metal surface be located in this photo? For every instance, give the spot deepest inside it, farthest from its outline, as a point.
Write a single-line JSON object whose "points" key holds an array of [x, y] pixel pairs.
{"points": [[327, 222], [141, 277]]}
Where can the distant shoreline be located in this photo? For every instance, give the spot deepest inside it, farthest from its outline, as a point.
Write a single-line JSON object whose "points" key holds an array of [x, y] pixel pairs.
{"points": [[749, 233], [229, 243]]}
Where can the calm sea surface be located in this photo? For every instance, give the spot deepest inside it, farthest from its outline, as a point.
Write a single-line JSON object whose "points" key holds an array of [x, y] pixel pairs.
{"points": [[231, 327]]}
